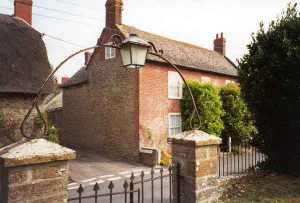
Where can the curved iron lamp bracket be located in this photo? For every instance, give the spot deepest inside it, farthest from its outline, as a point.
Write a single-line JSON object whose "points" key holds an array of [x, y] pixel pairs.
{"points": [[195, 111], [116, 42]]}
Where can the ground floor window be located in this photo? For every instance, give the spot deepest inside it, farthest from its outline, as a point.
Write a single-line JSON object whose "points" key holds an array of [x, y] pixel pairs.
{"points": [[175, 124]]}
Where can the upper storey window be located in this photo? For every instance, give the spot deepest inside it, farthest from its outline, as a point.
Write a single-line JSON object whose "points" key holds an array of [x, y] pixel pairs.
{"points": [[174, 85], [110, 53]]}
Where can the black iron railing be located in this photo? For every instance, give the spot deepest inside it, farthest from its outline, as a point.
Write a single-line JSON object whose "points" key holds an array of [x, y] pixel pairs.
{"points": [[160, 182], [239, 160]]}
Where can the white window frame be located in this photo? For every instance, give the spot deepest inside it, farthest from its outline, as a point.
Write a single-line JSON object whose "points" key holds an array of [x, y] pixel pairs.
{"points": [[174, 127], [174, 77], [110, 53]]}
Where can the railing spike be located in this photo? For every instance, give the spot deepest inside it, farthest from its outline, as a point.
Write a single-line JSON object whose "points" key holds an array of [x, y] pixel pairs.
{"points": [[132, 176], [142, 174], [80, 189], [96, 187], [111, 185], [125, 185]]}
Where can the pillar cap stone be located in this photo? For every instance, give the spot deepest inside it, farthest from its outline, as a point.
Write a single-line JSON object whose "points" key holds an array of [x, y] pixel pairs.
{"points": [[36, 151], [195, 138]]}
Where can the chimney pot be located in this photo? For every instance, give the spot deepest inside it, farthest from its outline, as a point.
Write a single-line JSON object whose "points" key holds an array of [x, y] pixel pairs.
{"points": [[23, 9], [114, 10], [220, 44]]}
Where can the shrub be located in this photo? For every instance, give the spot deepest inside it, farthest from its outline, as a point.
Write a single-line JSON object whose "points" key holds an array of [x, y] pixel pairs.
{"points": [[52, 133], [166, 158], [209, 105], [237, 119], [269, 77]]}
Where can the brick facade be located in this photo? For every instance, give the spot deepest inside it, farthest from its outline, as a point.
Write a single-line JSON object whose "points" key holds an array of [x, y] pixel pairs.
{"points": [[154, 105], [103, 114]]}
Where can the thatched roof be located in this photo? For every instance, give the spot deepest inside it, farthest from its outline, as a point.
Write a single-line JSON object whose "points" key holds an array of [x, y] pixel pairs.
{"points": [[184, 54], [24, 62]]}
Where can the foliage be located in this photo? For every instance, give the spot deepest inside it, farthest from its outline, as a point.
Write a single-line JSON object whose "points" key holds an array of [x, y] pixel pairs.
{"points": [[237, 119], [166, 158], [209, 105], [52, 133], [269, 77]]}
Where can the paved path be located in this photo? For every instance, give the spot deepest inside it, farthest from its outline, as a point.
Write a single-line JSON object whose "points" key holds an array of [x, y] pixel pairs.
{"points": [[90, 166]]}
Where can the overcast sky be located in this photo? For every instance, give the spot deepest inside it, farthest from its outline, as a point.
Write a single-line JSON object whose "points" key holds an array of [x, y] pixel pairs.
{"points": [[194, 21]]}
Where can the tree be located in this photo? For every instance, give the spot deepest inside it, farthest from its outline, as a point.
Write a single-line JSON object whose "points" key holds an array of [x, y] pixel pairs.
{"points": [[209, 105], [270, 81], [238, 122]]}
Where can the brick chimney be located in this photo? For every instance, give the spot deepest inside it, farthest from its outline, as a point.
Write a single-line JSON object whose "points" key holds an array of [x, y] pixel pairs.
{"points": [[220, 44], [114, 10], [23, 9]]}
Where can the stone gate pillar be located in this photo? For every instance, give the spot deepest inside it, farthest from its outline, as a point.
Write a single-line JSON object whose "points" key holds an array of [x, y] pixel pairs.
{"points": [[35, 171], [196, 152]]}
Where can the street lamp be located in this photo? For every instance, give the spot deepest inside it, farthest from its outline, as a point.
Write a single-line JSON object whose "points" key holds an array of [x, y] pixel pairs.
{"points": [[134, 51]]}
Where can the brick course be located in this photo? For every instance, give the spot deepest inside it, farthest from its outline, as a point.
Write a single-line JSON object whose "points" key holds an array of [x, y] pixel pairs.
{"points": [[16, 106]]}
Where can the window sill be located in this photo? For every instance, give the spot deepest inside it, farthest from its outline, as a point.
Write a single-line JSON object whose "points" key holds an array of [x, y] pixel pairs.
{"points": [[174, 98]]}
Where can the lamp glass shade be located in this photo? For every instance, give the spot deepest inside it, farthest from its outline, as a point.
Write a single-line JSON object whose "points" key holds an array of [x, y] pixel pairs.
{"points": [[134, 51], [139, 54], [126, 55]]}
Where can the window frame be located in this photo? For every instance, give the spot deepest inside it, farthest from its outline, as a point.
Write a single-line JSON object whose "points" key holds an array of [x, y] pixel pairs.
{"points": [[169, 123], [206, 79], [109, 53], [179, 86], [229, 81]]}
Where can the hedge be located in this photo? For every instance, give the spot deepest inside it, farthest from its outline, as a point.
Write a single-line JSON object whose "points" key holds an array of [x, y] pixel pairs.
{"points": [[238, 122], [269, 77], [209, 105]]}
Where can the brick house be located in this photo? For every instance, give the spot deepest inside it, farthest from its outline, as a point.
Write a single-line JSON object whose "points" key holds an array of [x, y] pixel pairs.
{"points": [[24, 66], [118, 111]]}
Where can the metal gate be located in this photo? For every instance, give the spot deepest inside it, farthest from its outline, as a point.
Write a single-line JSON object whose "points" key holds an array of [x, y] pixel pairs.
{"points": [[147, 186]]}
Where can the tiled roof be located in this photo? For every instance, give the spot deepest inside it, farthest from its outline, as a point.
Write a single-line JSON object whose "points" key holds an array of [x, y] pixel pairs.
{"points": [[184, 54], [24, 62]]}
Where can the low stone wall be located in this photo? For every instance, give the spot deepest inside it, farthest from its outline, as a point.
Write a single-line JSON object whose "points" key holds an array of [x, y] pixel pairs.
{"points": [[35, 172], [196, 154], [39, 183]]}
